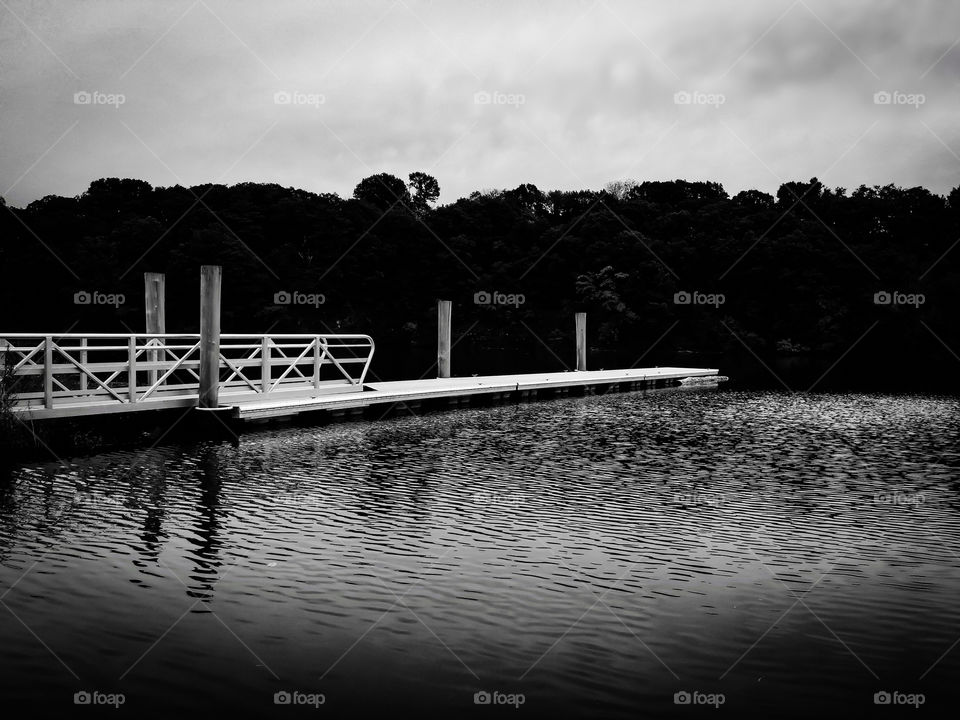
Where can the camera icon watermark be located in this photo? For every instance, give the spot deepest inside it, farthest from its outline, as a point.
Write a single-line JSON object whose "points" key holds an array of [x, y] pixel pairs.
{"points": [[95, 697], [498, 698], [899, 498], [99, 98], [498, 298], [484, 97], [283, 297], [895, 97], [899, 698], [696, 97], [695, 697], [698, 498], [295, 697], [95, 497], [496, 499], [84, 297], [895, 297], [698, 298], [295, 97]]}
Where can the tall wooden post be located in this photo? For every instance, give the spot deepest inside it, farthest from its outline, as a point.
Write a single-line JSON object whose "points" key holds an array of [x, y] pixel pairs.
{"points": [[210, 277], [581, 341], [265, 365], [83, 361], [444, 317], [155, 298], [132, 369], [48, 372]]}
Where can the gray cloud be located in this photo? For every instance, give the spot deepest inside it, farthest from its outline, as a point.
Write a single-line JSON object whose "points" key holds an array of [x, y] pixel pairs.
{"points": [[597, 83]]}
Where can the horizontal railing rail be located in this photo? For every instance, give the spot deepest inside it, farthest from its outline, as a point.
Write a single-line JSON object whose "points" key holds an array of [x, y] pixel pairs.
{"points": [[54, 371]]}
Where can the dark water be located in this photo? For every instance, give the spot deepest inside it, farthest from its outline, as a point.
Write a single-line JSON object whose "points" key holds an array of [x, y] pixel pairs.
{"points": [[785, 554]]}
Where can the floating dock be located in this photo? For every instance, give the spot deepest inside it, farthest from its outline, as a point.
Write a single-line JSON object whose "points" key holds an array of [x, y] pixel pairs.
{"points": [[257, 377], [458, 390]]}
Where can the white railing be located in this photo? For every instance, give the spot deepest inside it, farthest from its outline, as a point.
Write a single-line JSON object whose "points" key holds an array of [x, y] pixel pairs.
{"points": [[71, 374]]}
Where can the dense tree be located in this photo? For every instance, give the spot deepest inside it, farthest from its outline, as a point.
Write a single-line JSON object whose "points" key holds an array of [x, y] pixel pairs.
{"points": [[754, 199], [620, 189], [797, 278], [424, 190], [383, 191]]}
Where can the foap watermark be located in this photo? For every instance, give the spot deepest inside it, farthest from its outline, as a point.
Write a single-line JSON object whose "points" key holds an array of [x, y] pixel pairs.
{"points": [[283, 297], [295, 697], [698, 498], [695, 697], [498, 298], [295, 97], [698, 298], [497, 499], [484, 97], [696, 97], [299, 500], [151, 468], [899, 698], [895, 97], [95, 497], [498, 698], [95, 697], [99, 98], [900, 498], [883, 297], [85, 297]]}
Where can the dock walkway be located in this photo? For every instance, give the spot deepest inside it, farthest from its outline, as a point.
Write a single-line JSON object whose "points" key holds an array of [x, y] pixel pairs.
{"points": [[255, 376], [408, 391]]}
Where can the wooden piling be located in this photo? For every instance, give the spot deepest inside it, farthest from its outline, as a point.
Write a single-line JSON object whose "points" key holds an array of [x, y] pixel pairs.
{"points": [[265, 367], [444, 317], [210, 281], [48, 372], [581, 321], [154, 291], [83, 361], [132, 369]]}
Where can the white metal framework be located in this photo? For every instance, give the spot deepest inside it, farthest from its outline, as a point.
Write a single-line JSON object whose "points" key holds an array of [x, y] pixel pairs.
{"points": [[59, 375]]}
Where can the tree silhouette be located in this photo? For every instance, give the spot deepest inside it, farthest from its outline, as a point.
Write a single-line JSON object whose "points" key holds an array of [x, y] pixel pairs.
{"points": [[425, 189], [383, 191], [799, 283]]}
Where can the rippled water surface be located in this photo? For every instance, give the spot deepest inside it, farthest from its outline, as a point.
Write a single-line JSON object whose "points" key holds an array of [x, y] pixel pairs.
{"points": [[596, 555]]}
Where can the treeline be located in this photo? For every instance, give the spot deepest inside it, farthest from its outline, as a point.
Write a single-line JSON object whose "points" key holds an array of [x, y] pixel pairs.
{"points": [[864, 284]]}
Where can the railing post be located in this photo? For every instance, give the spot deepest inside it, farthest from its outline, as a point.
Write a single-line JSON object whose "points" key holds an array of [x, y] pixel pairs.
{"points": [[132, 368], [581, 320], [154, 290], [265, 372], [444, 313], [83, 361], [48, 372], [210, 280], [316, 363]]}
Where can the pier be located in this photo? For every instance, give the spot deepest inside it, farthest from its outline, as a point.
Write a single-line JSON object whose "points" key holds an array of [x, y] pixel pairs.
{"points": [[254, 377]]}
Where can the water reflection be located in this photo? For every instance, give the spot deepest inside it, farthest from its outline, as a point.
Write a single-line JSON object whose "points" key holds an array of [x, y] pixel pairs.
{"points": [[153, 475], [696, 516], [206, 556]]}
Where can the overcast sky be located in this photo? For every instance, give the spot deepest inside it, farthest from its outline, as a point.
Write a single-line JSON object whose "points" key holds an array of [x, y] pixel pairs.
{"points": [[479, 93]]}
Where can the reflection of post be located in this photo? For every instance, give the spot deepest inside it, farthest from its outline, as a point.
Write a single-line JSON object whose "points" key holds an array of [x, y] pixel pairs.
{"points": [[444, 313], [156, 316], [206, 555], [210, 277], [581, 319], [154, 473]]}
